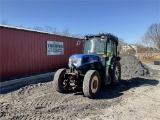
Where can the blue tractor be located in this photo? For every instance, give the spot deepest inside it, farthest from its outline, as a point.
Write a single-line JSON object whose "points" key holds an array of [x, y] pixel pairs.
{"points": [[98, 65]]}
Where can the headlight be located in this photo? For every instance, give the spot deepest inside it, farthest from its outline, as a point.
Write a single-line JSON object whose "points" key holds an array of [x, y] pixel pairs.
{"points": [[75, 61], [78, 62]]}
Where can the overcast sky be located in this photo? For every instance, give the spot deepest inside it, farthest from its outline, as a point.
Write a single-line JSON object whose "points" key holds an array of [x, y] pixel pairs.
{"points": [[127, 19]]}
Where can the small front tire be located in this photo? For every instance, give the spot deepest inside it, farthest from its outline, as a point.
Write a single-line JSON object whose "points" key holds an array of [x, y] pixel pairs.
{"points": [[58, 81]]}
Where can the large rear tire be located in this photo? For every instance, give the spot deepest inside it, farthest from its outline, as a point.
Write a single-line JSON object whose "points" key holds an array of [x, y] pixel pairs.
{"points": [[58, 81], [116, 74], [91, 83]]}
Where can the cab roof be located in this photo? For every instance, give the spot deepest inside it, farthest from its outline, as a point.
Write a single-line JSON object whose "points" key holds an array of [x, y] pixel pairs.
{"points": [[108, 35]]}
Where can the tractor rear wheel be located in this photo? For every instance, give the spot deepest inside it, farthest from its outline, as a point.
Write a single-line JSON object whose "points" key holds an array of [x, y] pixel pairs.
{"points": [[91, 83], [116, 74], [58, 81]]}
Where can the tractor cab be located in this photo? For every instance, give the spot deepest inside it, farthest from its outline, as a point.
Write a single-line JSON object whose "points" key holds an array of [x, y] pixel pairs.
{"points": [[98, 65], [102, 45]]}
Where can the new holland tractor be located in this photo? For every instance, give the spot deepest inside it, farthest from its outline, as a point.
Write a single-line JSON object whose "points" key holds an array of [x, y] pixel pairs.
{"points": [[98, 65]]}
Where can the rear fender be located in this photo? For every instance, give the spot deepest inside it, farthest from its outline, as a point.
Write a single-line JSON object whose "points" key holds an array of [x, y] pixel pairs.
{"points": [[118, 58], [114, 59]]}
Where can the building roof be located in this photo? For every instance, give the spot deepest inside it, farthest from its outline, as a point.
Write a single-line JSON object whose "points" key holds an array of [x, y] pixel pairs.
{"points": [[31, 30]]}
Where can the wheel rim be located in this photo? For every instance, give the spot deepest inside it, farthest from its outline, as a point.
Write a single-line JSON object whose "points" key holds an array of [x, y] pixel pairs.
{"points": [[64, 83], [117, 74], [94, 84]]}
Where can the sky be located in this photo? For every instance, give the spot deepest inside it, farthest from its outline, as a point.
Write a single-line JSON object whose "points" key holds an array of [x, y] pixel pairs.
{"points": [[127, 19]]}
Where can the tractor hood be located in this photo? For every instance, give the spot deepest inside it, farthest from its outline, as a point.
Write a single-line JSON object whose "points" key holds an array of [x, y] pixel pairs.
{"points": [[78, 60]]}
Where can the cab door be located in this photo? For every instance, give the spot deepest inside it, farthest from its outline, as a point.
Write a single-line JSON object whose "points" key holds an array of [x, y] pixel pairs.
{"points": [[111, 54]]}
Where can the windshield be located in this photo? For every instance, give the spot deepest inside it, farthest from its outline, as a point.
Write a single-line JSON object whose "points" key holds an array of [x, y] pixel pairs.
{"points": [[94, 46]]}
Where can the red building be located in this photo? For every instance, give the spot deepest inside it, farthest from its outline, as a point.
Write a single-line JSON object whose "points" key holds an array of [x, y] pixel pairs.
{"points": [[24, 51]]}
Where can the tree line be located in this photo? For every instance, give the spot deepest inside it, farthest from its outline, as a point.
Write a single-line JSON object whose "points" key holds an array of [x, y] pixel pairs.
{"points": [[151, 38], [150, 41], [49, 29]]}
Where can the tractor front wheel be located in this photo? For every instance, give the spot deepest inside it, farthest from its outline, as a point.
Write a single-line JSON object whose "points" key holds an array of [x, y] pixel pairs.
{"points": [[58, 81], [91, 83]]}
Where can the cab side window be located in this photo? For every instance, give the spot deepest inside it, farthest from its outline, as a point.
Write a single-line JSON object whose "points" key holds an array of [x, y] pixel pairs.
{"points": [[115, 48], [111, 48]]}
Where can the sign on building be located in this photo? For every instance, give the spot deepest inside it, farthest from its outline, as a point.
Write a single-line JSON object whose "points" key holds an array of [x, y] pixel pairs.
{"points": [[55, 48]]}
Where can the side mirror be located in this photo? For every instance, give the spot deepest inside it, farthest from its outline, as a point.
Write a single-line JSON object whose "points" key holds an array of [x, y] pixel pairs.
{"points": [[86, 38]]}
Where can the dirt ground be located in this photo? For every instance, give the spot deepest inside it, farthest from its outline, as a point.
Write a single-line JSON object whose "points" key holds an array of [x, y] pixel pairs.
{"points": [[134, 99]]}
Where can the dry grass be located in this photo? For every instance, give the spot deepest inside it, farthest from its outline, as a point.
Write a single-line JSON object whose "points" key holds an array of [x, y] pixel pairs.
{"points": [[157, 57], [149, 59], [146, 60]]}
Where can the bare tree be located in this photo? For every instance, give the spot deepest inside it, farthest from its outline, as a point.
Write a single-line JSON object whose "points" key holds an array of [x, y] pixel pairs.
{"points": [[4, 22], [120, 44], [38, 28], [152, 35], [55, 31], [48, 29], [66, 32], [77, 36], [146, 42], [21, 26]]}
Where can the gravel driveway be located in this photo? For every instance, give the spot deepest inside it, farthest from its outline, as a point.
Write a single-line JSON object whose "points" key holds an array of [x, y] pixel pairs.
{"points": [[137, 97]]}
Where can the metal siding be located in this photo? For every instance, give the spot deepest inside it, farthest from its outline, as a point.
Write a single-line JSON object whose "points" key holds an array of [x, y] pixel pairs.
{"points": [[3, 48], [24, 52], [28, 52]]}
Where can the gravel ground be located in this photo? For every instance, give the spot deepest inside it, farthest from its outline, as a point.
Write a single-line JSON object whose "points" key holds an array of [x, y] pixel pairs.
{"points": [[137, 97]]}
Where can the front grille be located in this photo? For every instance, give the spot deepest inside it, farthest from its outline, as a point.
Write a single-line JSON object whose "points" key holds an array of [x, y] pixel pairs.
{"points": [[85, 60]]}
